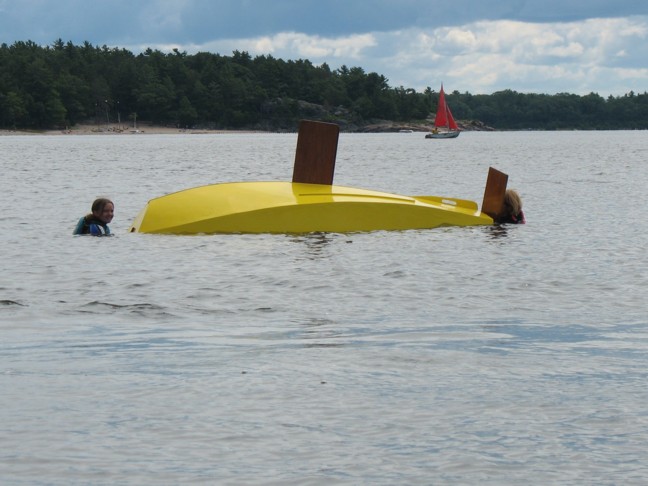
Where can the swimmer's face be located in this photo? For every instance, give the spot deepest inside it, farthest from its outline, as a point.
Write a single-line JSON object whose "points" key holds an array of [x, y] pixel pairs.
{"points": [[106, 214]]}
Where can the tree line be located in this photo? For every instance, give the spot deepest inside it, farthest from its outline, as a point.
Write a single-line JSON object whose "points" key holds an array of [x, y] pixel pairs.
{"points": [[64, 84]]}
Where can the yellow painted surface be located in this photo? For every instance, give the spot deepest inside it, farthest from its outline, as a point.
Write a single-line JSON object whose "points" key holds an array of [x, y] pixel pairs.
{"points": [[286, 207]]}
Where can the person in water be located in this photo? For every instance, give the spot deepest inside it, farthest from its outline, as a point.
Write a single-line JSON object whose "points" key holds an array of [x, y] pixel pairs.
{"points": [[512, 210], [96, 223]]}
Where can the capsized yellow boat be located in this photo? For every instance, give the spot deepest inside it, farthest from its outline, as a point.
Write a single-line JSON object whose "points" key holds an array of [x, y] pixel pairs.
{"points": [[310, 203], [288, 207]]}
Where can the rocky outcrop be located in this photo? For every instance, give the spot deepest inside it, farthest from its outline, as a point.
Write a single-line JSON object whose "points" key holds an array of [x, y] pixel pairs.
{"points": [[283, 113], [389, 126]]}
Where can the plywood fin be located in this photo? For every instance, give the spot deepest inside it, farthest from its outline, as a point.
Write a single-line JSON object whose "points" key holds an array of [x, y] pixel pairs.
{"points": [[316, 151]]}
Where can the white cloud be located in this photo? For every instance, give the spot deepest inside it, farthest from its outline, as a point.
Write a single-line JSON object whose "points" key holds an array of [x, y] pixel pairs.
{"points": [[312, 47], [488, 56], [285, 45], [459, 39], [599, 55]]}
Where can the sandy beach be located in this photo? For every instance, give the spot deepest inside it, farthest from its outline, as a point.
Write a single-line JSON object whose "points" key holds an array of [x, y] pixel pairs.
{"points": [[142, 129]]}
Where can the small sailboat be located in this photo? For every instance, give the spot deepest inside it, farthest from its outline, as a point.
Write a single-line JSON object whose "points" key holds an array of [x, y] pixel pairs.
{"points": [[444, 123]]}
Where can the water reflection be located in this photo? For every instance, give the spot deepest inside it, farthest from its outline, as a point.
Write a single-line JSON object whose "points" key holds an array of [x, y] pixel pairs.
{"points": [[318, 244], [497, 231]]}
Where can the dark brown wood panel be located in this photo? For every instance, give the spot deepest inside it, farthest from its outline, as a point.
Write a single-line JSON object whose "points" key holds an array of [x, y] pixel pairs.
{"points": [[316, 151]]}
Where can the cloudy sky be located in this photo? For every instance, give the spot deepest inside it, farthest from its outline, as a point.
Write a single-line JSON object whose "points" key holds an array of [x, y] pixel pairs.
{"points": [[478, 46]]}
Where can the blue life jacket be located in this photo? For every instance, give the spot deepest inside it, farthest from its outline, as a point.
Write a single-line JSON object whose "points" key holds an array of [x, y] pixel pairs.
{"points": [[91, 226]]}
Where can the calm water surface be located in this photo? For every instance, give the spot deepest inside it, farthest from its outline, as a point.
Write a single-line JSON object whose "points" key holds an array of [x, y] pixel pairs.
{"points": [[512, 355]]}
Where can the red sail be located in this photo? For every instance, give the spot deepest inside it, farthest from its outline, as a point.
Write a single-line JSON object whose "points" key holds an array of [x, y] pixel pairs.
{"points": [[441, 119], [444, 117], [451, 121]]}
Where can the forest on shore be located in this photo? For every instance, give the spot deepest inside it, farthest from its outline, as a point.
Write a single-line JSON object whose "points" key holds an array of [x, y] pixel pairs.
{"points": [[59, 86]]}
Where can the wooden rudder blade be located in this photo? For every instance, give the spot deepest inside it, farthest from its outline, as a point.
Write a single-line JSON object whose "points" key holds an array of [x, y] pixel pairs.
{"points": [[494, 192]]}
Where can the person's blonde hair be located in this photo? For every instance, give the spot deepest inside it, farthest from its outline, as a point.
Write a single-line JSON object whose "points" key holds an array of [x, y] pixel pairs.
{"points": [[512, 202]]}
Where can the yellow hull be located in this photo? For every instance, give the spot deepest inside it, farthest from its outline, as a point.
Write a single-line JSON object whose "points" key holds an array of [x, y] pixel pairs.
{"points": [[291, 207]]}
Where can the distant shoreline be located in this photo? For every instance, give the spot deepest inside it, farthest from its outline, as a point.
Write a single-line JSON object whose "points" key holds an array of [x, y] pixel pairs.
{"points": [[144, 129]]}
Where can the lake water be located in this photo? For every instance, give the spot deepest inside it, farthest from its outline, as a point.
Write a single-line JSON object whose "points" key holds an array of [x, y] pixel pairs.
{"points": [[484, 355]]}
